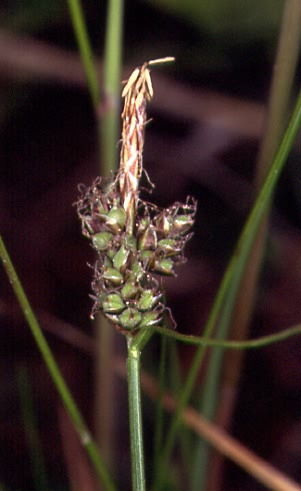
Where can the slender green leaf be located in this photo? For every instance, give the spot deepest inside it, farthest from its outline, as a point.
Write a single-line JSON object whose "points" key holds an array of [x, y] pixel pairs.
{"points": [[241, 252], [54, 371]]}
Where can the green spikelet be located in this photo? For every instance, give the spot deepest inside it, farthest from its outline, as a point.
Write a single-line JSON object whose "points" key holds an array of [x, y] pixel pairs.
{"points": [[134, 240]]}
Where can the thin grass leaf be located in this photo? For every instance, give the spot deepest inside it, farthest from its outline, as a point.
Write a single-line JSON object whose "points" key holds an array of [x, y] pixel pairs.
{"points": [[85, 50], [239, 257], [237, 311], [110, 120], [54, 371], [232, 344]]}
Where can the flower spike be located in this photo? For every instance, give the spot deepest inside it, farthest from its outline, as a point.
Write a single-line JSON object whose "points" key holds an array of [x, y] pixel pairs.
{"points": [[134, 240]]}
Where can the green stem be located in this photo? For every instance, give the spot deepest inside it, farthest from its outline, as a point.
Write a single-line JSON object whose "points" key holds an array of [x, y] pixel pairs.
{"points": [[142, 338], [111, 86], [135, 416], [87, 58], [240, 253], [233, 344], [54, 371], [210, 394], [86, 53], [108, 126]]}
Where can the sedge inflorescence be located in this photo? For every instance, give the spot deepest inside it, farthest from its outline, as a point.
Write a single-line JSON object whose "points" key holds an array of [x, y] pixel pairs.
{"points": [[135, 241]]}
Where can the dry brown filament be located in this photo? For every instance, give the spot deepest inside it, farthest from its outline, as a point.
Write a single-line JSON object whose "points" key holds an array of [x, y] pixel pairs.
{"points": [[137, 92]]}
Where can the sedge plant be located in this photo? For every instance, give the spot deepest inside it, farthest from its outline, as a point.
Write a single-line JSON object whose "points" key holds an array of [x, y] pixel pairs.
{"points": [[134, 240]]}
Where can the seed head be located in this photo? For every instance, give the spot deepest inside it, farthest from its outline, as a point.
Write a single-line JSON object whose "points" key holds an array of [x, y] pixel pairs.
{"points": [[134, 240]]}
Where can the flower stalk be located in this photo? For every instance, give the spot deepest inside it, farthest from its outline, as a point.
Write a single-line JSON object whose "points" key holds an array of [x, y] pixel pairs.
{"points": [[135, 417], [135, 241]]}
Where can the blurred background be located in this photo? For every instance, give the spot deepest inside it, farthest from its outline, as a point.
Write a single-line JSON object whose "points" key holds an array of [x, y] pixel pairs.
{"points": [[207, 119]]}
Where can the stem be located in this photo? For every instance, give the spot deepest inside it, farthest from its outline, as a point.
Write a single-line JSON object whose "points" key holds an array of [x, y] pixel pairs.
{"points": [[207, 408], [84, 46], [135, 414], [109, 122], [232, 344], [54, 371], [111, 86], [87, 58]]}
